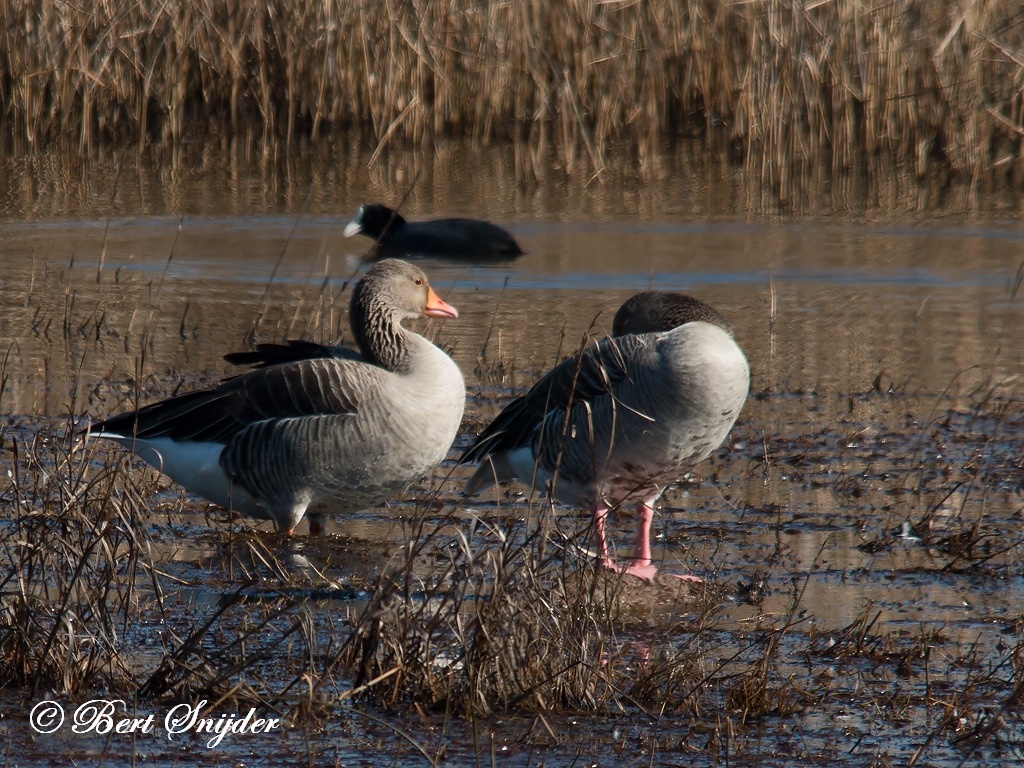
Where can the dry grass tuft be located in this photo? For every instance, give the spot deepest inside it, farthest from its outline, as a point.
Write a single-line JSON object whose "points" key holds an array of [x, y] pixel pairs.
{"points": [[71, 567], [512, 631]]}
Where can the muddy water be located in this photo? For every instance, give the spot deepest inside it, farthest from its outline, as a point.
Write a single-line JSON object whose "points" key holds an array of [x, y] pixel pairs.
{"points": [[885, 352]]}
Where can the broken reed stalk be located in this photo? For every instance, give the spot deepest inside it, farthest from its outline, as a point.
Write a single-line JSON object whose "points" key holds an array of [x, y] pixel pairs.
{"points": [[931, 84]]}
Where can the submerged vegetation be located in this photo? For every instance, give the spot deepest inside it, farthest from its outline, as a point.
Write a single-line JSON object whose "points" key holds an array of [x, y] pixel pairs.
{"points": [[933, 85]]}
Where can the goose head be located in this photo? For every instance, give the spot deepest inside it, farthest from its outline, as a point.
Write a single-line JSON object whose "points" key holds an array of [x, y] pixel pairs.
{"points": [[392, 291], [659, 311]]}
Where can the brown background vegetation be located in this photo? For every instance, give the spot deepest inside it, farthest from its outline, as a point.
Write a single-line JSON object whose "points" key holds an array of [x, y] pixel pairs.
{"points": [[934, 85]]}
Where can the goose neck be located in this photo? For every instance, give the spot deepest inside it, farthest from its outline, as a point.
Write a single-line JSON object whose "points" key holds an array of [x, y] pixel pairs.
{"points": [[379, 333]]}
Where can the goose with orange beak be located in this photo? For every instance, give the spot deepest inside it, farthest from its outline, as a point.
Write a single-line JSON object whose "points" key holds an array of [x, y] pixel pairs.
{"points": [[623, 419], [314, 430]]}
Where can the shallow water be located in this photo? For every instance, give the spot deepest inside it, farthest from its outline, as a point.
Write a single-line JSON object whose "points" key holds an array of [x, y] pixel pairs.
{"points": [[884, 353]]}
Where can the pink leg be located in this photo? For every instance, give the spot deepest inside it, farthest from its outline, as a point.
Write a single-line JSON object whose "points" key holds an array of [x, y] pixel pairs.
{"points": [[642, 553], [641, 565]]}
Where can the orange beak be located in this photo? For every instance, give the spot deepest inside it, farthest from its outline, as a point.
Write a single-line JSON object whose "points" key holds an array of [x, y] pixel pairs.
{"points": [[436, 307]]}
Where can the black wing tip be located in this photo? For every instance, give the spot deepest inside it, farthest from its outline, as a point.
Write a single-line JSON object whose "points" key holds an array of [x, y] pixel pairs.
{"points": [[121, 425], [486, 443], [477, 450], [268, 354], [180, 417]]}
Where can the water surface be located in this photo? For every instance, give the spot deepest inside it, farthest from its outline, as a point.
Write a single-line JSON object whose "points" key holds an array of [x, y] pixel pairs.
{"points": [[884, 350]]}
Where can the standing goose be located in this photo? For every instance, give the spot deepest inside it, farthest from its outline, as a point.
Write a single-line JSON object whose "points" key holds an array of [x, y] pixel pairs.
{"points": [[463, 239], [314, 429], [619, 422]]}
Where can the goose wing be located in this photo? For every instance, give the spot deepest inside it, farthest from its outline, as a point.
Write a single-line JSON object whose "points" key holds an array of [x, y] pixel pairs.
{"points": [[295, 350], [308, 387], [576, 381]]}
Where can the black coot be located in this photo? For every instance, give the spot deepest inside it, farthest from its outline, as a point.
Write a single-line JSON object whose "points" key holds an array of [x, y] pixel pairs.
{"points": [[446, 238]]}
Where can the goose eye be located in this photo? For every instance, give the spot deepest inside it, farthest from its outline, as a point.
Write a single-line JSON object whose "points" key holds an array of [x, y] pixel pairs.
{"points": [[419, 281]]}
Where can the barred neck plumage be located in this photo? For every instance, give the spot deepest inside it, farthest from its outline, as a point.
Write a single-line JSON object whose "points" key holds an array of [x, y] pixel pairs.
{"points": [[377, 326]]}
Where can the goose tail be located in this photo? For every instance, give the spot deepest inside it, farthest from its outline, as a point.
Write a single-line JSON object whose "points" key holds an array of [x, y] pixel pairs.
{"points": [[494, 469]]}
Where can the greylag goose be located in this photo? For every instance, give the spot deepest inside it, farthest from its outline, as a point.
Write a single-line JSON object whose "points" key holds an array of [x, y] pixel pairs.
{"points": [[619, 422], [463, 239], [314, 429]]}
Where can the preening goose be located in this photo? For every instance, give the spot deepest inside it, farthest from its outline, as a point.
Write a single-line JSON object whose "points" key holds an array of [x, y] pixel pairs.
{"points": [[463, 239], [313, 429], [619, 422]]}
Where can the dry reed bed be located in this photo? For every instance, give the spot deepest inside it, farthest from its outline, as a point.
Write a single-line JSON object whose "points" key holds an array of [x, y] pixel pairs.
{"points": [[933, 84]]}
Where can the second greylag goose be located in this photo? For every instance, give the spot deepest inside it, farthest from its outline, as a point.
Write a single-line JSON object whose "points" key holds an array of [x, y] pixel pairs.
{"points": [[312, 429], [619, 422], [463, 239]]}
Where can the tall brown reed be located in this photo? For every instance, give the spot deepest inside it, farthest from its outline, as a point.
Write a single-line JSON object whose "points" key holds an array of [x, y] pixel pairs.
{"points": [[930, 84]]}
